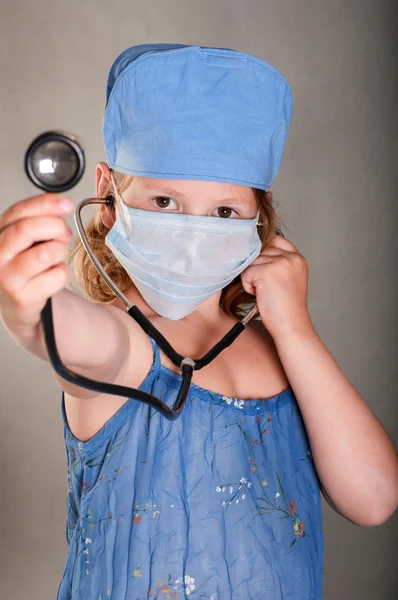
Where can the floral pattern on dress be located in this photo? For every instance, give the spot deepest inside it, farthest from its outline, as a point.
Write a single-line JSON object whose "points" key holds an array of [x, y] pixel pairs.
{"points": [[265, 505], [251, 486]]}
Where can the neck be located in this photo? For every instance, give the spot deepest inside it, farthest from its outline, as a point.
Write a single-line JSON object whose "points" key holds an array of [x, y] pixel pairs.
{"points": [[208, 314]]}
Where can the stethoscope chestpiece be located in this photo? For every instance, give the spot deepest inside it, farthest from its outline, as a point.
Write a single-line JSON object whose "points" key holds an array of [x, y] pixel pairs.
{"points": [[54, 161]]}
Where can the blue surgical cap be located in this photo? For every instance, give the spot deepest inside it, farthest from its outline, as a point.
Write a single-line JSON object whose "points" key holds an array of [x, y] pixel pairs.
{"points": [[175, 111]]}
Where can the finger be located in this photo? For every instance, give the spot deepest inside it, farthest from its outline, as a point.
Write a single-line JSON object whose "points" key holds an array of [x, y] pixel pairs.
{"points": [[280, 242], [43, 204], [35, 294], [262, 259], [276, 251], [21, 234], [17, 273]]}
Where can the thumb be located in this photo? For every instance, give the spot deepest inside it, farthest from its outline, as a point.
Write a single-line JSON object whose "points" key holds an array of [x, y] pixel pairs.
{"points": [[247, 285]]}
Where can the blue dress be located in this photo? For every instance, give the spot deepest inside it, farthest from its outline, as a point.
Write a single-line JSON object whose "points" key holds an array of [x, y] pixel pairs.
{"points": [[221, 504]]}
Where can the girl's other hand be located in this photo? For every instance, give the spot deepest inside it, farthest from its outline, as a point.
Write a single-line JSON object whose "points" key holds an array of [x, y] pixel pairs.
{"points": [[278, 278]]}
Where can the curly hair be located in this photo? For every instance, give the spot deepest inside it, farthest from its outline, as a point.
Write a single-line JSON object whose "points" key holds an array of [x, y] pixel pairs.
{"points": [[234, 301]]}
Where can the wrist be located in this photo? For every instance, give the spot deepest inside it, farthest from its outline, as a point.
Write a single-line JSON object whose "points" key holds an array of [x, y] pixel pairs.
{"points": [[300, 328], [27, 336]]}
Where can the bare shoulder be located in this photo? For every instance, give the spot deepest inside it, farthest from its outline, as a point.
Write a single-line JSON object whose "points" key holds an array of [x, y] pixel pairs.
{"points": [[139, 358], [88, 411]]}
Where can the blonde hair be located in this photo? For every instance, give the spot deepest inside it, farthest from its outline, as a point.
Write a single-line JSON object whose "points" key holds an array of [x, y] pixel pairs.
{"points": [[234, 301]]}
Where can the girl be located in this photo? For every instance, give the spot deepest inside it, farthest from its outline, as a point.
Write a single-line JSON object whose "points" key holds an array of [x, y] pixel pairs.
{"points": [[224, 502]]}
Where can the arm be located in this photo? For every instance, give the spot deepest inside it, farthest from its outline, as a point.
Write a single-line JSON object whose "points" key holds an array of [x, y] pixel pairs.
{"points": [[355, 459], [91, 340]]}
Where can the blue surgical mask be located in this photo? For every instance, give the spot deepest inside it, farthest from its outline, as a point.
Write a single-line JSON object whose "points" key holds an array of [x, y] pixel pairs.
{"points": [[177, 261]]}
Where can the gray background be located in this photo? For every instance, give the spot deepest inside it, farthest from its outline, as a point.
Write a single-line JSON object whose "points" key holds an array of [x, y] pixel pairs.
{"points": [[337, 193]]}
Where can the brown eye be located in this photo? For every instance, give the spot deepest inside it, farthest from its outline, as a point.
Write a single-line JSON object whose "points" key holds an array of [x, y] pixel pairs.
{"points": [[225, 208], [164, 201]]}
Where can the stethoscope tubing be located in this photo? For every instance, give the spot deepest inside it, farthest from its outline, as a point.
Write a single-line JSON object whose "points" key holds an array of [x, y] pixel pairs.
{"points": [[186, 364]]}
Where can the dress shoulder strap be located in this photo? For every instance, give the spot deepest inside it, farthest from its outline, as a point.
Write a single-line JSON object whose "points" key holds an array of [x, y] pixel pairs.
{"points": [[156, 354]]}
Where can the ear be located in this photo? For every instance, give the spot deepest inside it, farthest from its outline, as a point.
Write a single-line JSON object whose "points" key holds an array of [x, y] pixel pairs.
{"points": [[102, 178]]}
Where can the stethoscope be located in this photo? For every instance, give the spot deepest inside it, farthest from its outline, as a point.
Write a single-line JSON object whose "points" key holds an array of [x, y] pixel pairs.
{"points": [[55, 162]]}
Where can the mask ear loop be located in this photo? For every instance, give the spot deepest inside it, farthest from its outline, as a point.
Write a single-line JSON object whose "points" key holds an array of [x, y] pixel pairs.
{"points": [[117, 197], [118, 201], [278, 231]]}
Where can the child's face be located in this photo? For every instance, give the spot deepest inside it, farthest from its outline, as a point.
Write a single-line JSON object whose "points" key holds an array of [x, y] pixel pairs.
{"points": [[200, 198]]}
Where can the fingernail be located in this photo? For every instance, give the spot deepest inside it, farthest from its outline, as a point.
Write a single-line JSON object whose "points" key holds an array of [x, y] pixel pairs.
{"points": [[65, 204]]}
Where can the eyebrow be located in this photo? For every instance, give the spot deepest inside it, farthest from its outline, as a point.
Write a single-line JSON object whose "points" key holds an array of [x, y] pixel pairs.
{"points": [[168, 190]]}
